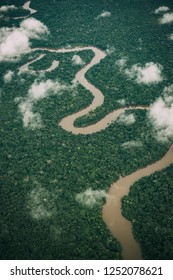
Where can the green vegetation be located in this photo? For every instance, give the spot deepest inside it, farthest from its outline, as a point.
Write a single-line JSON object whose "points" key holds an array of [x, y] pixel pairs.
{"points": [[44, 169], [149, 207], [65, 64]]}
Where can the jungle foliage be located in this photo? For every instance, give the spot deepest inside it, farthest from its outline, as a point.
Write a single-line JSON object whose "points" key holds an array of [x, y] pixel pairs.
{"points": [[149, 207], [44, 169]]}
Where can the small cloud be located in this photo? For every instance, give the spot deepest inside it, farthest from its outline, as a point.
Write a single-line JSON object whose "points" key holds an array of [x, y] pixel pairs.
{"points": [[161, 115], [103, 14], [161, 9], [40, 204], [8, 76], [171, 37], [121, 102], [30, 119], [77, 60], [126, 119], [110, 50], [121, 63], [7, 8], [167, 18], [149, 74], [90, 197], [131, 144], [38, 91], [16, 41]]}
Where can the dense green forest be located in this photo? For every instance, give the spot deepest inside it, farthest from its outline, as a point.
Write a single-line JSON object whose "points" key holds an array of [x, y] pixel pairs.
{"points": [[43, 170], [149, 207]]}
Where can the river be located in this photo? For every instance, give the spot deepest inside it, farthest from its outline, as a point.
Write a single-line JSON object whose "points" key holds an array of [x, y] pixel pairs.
{"points": [[117, 224]]}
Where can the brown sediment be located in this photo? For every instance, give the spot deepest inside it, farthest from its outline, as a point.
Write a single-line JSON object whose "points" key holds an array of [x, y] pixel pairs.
{"points": [[26, 6], [117, 224]]}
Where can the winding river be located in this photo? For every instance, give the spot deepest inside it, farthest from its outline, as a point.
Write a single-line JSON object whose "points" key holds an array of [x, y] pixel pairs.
{"points": [[117, 224]]}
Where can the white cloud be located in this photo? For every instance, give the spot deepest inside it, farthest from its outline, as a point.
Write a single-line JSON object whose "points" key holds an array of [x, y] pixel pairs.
{"points": [[30, 119], [8, 76], [121, 101], [7, 8], [14, 44], [33, 28], [150, 73], [161, 115], [90, 197], [110, 50], [121, 63], [40, 204], [77, 60], [171, 37], [167, 18], [16, 41], [131, 144], [104, 14], [38, 91], [43, 89], [161, 9], [126, 119]]}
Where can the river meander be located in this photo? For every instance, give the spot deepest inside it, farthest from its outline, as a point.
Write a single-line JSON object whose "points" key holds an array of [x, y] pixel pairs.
{"points": [[119, 227]]}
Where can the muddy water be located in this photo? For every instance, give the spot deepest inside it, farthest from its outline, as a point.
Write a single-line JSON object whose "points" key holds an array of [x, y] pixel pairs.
{"points": [[53, 66], [98, 98], [25, 66], [26, 6], [118, 225]]}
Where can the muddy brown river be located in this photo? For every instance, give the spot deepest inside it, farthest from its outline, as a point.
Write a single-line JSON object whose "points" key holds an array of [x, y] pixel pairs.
{"points": [[119, 227]]}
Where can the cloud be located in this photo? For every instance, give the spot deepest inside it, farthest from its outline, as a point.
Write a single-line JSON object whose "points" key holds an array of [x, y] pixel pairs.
{"points": [[40, 204], [33, 28], [161, 9], [77, 60], [8, 76], [7, 8], [110, 50], [167, 18], [126, 119], [149, 74], [171, 37], [121, 63], [161, 115], [104, 14], [121, 101], [14, 44], [16, 41], [90, 197], [38, 91], [30, 119], [131, 144]]}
